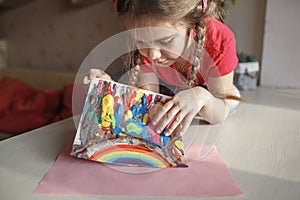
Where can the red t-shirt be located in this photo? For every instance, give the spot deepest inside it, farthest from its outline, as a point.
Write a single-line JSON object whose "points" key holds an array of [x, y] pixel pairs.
{"points": [[219, 57]]}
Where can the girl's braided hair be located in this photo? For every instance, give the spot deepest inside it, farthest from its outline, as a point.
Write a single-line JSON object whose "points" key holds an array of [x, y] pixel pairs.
{"points": [[189, 11]]}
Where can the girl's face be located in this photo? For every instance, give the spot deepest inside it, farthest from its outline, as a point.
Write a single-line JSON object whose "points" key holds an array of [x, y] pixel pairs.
{"points": [[162, 43]]}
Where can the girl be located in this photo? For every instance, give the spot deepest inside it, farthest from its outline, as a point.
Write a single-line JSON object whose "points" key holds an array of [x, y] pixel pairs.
{"points": [[181, 44]]}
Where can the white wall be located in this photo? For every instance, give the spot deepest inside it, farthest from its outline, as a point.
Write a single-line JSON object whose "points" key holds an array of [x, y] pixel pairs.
{"points": [[246, 19], [281, 52], [54, 34]]}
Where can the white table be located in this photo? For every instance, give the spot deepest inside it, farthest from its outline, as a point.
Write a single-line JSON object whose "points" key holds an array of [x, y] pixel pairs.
{"points": [[260, 144]]}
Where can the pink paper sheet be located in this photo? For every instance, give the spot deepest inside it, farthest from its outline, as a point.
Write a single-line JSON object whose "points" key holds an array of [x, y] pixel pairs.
{"points": [[73, 176]]}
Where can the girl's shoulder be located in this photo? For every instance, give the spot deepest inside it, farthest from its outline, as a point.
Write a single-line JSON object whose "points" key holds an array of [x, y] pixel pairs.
{"points": [[220, 46], [218, 35]]}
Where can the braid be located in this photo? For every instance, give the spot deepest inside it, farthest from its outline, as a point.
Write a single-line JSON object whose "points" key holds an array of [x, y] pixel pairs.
{"points": [[132, 61], [200, 29], [198, 16]]}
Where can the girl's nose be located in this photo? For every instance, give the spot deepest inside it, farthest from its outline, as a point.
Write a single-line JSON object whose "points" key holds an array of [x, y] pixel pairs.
{"points": [[154, 53]]}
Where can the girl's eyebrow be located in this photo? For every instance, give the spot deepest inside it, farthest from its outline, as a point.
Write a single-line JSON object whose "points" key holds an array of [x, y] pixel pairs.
{"points": [[166, 37], [161, 39]]}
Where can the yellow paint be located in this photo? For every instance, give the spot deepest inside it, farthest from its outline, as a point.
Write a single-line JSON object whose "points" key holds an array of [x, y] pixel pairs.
{"points": [[107, 110], [128, 115], [179, 144], [146, 117], [122, 134], [139, 94]]}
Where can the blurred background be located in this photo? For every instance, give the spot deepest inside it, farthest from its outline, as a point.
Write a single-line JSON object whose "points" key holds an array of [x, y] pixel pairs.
{"points": [[58, 34]]}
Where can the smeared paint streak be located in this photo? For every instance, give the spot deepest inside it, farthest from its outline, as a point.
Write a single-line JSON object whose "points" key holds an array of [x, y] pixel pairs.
{"points": [[145, 119], [133, 128], [107, 110], [179, 144], [144, 110], [132, 95], [125, 102], [134, 111], [139, 94], [149, 101], [165, 139], [119, 119], [128, 115]]}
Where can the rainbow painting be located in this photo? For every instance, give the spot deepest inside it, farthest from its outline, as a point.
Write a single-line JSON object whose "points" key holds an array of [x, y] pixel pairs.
{"points": [[115, 128], [126, 153]]}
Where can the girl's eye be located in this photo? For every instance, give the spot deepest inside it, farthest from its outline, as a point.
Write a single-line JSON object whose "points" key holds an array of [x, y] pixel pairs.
{"points": [[139, 42], [165, 42]]}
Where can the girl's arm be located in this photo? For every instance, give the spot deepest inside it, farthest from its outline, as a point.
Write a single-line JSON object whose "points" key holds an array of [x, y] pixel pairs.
{"points": [[148, 81], [211, 104], [217, 107]]}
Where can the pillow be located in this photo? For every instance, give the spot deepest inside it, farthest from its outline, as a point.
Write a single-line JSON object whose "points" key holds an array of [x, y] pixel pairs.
{"points": [[114, 128], [11, 90], [23, 108], [66, 107], [44, 101]]}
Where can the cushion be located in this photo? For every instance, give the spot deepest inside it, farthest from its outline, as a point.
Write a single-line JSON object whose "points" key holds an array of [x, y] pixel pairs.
{"points": [[12, 90], [45, 101], [23, 108]]}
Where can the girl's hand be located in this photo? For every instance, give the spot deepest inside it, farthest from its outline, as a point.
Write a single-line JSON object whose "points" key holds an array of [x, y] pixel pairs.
{"points": [[178, 113], [96, 73]]}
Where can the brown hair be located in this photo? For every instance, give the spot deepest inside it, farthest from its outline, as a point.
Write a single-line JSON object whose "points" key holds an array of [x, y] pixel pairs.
{"points": [[190, 12]]}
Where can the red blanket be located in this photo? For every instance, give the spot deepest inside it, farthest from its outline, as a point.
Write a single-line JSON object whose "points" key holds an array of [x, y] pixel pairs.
{"points": [[23, 108]]}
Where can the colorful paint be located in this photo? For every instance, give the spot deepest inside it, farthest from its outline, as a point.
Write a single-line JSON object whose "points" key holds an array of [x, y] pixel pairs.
{"points": [[129, 154], [115, 128]]}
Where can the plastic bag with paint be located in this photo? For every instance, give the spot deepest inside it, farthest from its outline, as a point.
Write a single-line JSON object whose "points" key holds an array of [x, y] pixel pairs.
{"points": [[114, 128]]}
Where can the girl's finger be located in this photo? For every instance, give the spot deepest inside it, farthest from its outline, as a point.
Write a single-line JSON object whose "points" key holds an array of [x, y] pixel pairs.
{"points": [[107, 77], [176, 123], [86, 80], [162, 112], [169, 118], [98, 73], [93, 73]]}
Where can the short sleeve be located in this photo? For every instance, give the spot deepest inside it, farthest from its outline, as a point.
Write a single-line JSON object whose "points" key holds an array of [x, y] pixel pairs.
{"points": [[220, 50]]}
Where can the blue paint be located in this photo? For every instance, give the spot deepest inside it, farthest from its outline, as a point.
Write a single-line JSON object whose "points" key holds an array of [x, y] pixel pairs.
{"points": [[119, 118], [143, 110], [135, 113], [165, 139]]}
